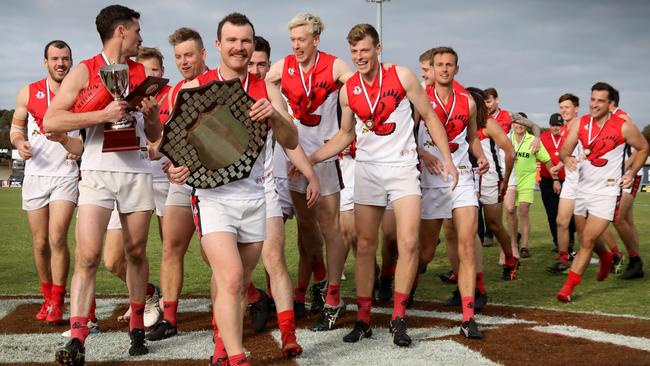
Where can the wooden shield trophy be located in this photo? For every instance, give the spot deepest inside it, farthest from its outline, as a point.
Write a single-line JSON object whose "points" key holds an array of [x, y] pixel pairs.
{"points": [[210, 132], [118, 136]]}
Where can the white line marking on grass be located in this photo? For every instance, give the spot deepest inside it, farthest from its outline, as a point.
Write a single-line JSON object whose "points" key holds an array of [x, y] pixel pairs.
{"points": [[8, 306], [328, 348], [639, 343]]}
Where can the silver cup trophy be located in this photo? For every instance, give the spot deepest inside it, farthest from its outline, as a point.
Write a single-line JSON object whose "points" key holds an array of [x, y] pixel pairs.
{"points": [[115, 78]]}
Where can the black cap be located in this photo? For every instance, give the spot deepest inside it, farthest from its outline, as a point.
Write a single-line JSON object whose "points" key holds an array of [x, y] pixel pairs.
{"points": [[556, 120]]}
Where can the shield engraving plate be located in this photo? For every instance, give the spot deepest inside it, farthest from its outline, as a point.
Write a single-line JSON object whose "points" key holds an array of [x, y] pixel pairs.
{"points": [[211, 133]]}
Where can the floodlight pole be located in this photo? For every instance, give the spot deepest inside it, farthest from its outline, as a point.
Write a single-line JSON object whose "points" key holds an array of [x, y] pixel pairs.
{"points": [[379, 6]]}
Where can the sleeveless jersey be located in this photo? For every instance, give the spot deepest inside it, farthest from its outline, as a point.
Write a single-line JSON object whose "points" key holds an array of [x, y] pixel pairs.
{"points": [[455, 117], [628, 149], [164, 106], [251, 187], [503, 117], [157, 174], [495, 157], [49, 158], [123, 161], [391, 140], [602, 168], [315, 114]]}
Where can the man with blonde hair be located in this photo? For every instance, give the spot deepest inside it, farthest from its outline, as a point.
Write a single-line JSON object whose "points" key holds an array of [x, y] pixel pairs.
{"points": [[310, 81]]}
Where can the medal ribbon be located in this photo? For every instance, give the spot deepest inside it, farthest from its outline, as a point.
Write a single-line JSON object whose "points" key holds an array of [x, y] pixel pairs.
{"points": [[591, 123], [245, 84], [556, 144], [442, 105], [372, 106], [302, 78]]}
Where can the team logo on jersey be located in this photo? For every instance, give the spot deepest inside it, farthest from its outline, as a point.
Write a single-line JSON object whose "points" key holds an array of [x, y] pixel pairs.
{"points": [[40, 95], [291, 71], [356, 90]]}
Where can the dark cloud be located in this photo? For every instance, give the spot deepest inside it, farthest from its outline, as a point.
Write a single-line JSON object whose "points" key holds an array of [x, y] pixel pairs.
{"points": [[531, 51]]}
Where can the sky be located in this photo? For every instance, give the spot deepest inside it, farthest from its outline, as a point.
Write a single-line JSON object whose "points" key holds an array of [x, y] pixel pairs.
{"points": [[530, 51]]}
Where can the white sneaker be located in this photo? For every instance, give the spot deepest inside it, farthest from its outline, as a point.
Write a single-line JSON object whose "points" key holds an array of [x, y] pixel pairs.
{"points": [[152, 311], [93, 328]]}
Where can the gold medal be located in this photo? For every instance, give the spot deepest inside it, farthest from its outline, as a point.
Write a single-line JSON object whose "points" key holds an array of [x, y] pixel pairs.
{"points": [[587, 151], [557, 153], [369, 123]]}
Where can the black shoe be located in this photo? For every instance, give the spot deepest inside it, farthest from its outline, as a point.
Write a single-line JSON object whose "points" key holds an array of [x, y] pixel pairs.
{"points": [[138, 344], [385, 288], [510, 272], [219, 361], [398, 330], [259, 312], [72, 354], [480, 300], [449, 277], [617, 263], [299, 309], [162, 330], [524, 253], [318, 293], [558, 267], [469, 329], [455, 299], [361, 330], [634, 270], [328, 317]]}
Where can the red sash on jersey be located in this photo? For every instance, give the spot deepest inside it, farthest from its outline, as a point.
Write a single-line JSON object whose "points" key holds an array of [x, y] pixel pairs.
{"points": [[392, 93], [95, 96], [603, 141], [322, 85], [37, 102], [459, 120]]}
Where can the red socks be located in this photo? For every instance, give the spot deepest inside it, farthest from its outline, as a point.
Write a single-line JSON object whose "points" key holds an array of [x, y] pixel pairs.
{"points": [[616, 251], [169, 311], [300, 291], [150, 289], [363, 313], [468, 308], [399, 305], [238, 360], [79, 328], [510, 261], [480, 283], [137, 316], [563, 256], [333, 297], [253, 294], [572, 280], [318, 268], [287, 325], [605, 265], [58, 295], [91, 313], [219, 348], [46, 290]]}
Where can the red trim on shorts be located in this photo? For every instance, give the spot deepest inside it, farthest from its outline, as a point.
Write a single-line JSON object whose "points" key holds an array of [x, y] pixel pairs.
{"points": [[635, 185], [618, 206], [196, 214]]}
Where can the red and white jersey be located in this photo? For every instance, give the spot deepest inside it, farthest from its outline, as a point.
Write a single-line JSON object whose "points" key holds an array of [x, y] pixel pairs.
{"points": [[157, 174], [123, 161], [604, 150], [454, 114], [312, 97], [251, 187], [49, 158], [628, 149], [495, 157], [390, 141], [503, 117]]}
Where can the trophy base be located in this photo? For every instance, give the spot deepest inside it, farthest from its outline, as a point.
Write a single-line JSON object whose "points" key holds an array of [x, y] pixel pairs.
{"points": [[123, 139]]}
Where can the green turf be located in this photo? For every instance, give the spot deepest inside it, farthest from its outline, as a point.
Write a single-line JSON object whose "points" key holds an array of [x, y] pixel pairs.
{"points": [[534, 287]]}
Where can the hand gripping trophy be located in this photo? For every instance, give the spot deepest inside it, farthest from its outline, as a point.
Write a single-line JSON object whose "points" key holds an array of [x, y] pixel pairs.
{"points": [[121, 135]]}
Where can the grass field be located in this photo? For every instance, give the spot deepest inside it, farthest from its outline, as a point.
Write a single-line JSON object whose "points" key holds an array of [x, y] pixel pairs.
{"points": [[534, 288]]}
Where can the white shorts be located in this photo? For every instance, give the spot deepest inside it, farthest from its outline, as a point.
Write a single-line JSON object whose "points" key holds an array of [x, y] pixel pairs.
{"points": [[38, 191], [347, 199], [160, 190], [635, 186], [489, 195], [273, 208], [601, 206], [377, 184], [244, 218], [282, 188], [329, 174], [438, 203], [114, 223], [570, 185], [128, 192], [179, 195]]}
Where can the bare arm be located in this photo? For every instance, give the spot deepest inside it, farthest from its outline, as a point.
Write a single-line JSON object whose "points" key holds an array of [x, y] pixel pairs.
{"points": [[343, 138], [300, 161], [58, 118], [495, 132], [475, 147], [521, 120], [18, 131], [634, 138], [74, 145], [274, 76], [342, 71], [285, 131], [570, 143], [421, 103]]}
